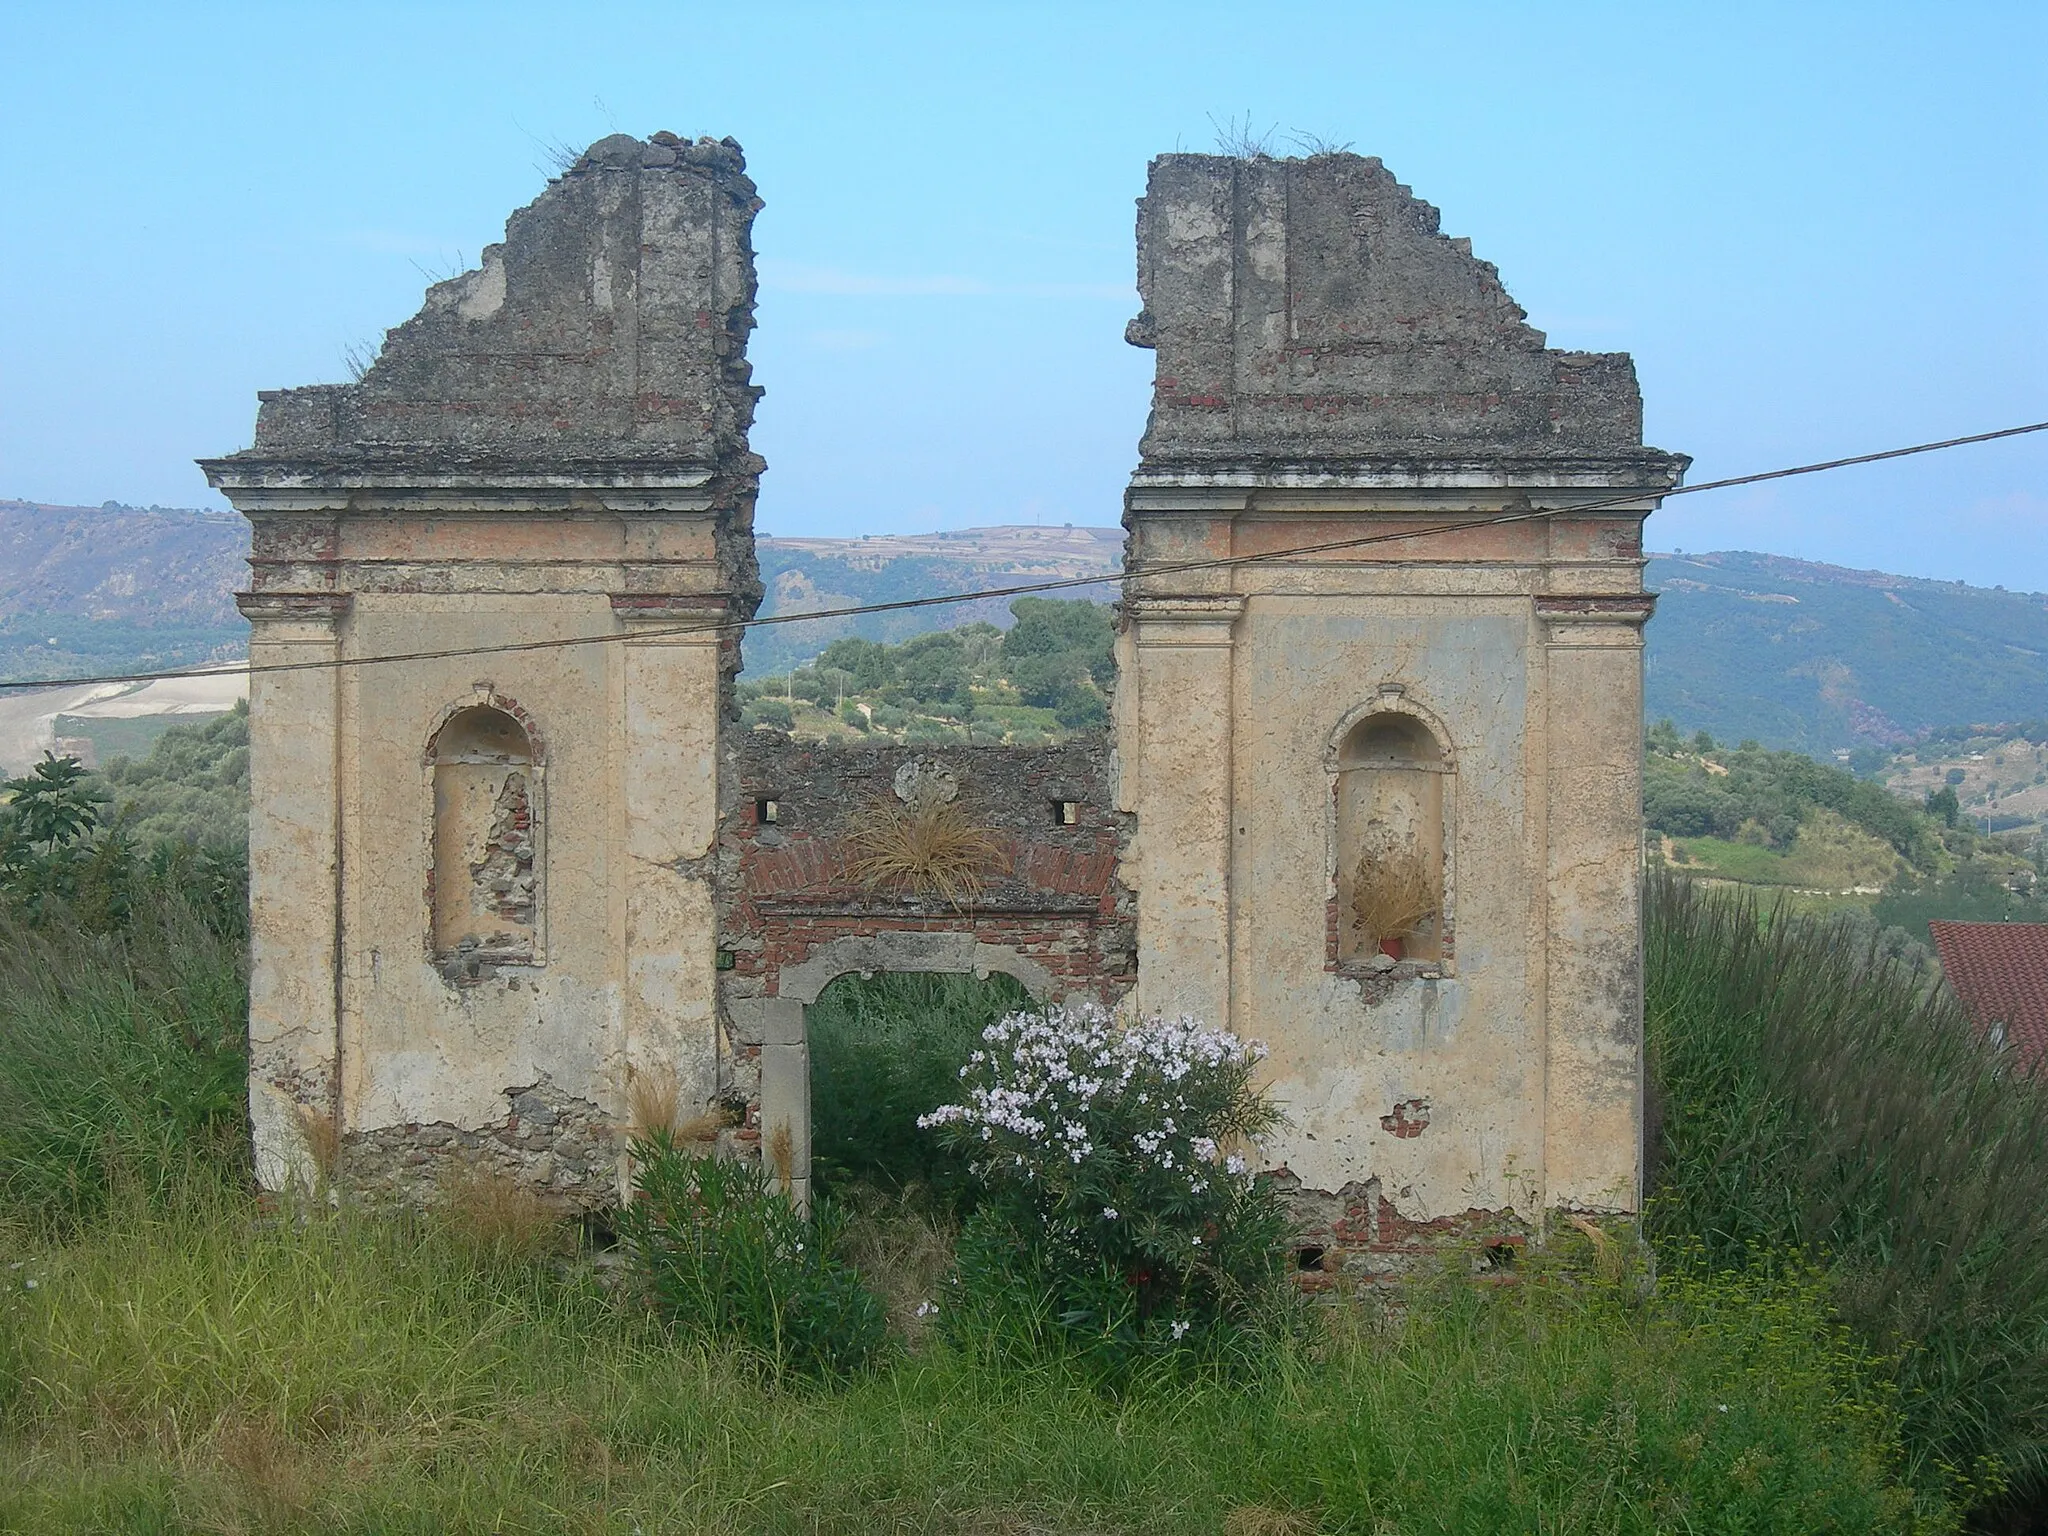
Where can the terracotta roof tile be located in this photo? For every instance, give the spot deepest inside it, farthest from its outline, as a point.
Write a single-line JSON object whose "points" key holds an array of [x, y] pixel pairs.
{"points": [[2000, 971]]}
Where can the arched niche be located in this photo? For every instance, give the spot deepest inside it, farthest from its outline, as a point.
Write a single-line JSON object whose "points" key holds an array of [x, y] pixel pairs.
{"points": [[486, 883], [1392, 846]]}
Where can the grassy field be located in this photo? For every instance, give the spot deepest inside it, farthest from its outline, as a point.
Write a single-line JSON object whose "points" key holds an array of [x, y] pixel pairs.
{"points": [[193, 1366]]}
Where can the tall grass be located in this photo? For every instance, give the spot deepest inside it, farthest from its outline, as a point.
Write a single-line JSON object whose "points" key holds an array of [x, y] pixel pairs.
{"points": [[884, 1050], [121, 1053], [1816, 1093], [182, 1367]]}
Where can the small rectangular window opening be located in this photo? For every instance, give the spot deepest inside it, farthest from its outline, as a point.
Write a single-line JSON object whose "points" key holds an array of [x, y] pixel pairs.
{"points": [[767, 812], [1066, 813]]}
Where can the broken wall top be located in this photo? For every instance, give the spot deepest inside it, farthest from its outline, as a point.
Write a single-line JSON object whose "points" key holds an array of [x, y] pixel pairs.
{"points": [[611, 324], [1310, 311]]}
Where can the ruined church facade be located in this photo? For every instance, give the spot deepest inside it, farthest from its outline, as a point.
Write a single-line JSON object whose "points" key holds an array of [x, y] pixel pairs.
{"points": [[519, 878]]}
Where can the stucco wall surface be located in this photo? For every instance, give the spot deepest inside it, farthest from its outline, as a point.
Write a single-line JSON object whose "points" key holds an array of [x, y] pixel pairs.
{"points": [[554, 450]]}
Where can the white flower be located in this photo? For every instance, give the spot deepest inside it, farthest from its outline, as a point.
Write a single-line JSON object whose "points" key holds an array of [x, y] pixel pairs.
{"points": [[1109, 1213], [925, 1309], [1180, 1331]]}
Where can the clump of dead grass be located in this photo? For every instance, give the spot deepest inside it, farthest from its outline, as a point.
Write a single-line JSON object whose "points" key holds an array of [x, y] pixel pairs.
{"points": [[498, 1218], [930, 847], [320, 1134], [902, 1252], [1391, 897]]}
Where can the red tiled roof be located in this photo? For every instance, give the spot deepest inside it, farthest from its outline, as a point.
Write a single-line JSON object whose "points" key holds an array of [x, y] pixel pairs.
{"points": [[2000, 971]]}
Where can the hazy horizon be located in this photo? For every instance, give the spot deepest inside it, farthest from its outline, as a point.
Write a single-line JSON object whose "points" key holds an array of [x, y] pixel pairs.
{"points": [[1818, 232]]}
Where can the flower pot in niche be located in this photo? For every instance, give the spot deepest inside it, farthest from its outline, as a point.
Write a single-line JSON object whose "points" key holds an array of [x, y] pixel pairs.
{"points": [[1391, 948]]}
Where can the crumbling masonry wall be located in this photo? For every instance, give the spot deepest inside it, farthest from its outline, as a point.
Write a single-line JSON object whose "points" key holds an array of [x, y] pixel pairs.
{"points": [[799, 905], [554, 448], [1333, 370]]}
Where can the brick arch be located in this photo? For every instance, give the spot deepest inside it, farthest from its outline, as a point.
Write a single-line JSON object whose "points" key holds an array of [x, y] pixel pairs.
{"points": [[485, 696]]}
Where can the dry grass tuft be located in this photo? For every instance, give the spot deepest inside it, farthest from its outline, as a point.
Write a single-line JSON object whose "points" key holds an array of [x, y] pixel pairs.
{"points": [[653, 1100], [902, 1254], [782, 1155], [320, 1131], [1263, 1520], [1391, 897], [276, 1477], [497, 1217], [931, 847]]}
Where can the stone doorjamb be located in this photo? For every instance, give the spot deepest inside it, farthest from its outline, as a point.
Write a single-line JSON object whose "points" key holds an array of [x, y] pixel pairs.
{"points": [[785, 1043]]}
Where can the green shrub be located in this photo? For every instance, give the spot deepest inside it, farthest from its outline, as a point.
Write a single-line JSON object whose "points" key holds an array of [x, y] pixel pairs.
{"points": [[1115, 1220], [884, 1050], [775, 712], [1815, 1093], [727, 1255]]}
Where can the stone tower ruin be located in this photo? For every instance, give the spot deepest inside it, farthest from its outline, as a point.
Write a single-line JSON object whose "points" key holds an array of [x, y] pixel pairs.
{"points": [[1426, 696], [1372, 791], [479, 882]]}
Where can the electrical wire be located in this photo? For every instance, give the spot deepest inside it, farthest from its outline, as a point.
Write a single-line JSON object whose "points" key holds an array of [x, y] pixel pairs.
{"points": [[1057, 584]]}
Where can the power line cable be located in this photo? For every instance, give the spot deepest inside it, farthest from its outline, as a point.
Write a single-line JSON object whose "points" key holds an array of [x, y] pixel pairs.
{"points": [[1058, 584]]}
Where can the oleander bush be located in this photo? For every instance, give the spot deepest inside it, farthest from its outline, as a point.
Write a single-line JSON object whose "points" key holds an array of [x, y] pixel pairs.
{"points": [[1119, 1219], [726, 1255]]}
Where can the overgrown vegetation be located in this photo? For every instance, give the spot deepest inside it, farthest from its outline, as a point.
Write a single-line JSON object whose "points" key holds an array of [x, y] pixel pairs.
{"points": [[122, 1004], [1048, 674], [728, 1257], [183, 1367], [172, 1356], [886, 1050], [1818, 1095]]}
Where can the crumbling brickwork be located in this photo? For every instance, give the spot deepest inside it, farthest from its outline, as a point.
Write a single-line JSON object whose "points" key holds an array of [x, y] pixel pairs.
{"points": [[798, 905], [1311, 309]]}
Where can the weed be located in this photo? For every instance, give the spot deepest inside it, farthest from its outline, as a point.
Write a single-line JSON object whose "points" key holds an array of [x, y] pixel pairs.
{"points": [[931, 847], [884, 1050]]}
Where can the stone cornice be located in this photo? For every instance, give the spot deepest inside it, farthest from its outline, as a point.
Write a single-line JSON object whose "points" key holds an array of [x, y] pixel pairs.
{"points": [[286, 607], [1650, 471], [671, 607], [1619, 608], [368, 484]]}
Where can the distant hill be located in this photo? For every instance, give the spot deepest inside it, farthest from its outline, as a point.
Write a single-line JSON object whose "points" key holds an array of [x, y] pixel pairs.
{"points": [[1789, 653], [118, 588], [807, 575], [1816, 657]]}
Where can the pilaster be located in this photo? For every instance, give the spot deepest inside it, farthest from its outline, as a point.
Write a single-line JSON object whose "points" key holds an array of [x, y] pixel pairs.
{"points": [[1593, 987], [669, 791], [1179, 734], [295, 879]]}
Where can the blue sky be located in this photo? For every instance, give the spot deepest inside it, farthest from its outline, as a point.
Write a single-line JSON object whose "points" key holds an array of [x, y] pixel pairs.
{"points": [[1820, 229]]}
